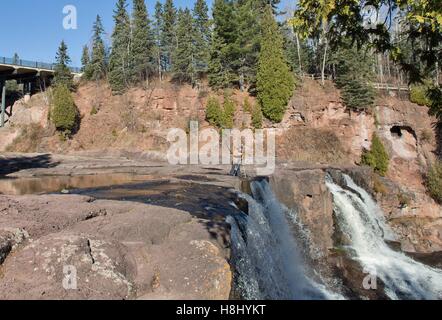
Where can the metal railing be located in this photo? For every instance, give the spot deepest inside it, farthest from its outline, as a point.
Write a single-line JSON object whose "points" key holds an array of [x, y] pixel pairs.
{"points": [[376, 85], [33, 64]]}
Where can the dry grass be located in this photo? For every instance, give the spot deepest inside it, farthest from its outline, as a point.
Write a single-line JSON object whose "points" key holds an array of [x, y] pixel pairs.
{"points": [[28, 140], [378, 186], [312, 145]]}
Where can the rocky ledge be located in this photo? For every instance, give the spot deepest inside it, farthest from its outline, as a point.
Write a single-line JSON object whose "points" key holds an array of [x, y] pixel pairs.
{"points": [[120, 250]]}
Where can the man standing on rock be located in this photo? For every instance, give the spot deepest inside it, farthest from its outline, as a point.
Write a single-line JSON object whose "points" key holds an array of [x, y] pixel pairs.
{"points": [[237, 161]]}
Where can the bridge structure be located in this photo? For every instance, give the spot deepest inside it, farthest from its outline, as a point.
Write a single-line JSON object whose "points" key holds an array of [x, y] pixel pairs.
{"points": [[33, 75]]}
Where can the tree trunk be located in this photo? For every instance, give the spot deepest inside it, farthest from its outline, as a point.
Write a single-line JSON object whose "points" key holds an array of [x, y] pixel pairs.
{"points": [[381, 69], [324, 62], [299, 53], [160, 75]]}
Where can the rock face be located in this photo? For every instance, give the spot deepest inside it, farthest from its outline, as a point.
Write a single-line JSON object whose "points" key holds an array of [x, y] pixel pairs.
{"points": [[318, 129], [305, 192], [72, 247]]}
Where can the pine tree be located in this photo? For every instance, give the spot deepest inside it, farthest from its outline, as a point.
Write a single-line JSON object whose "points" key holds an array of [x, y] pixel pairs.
{"points": [[434, 181], [275, 82], [119, 64], [64, 113], [202, 36], [142, 53], [229, 109], [262, 5], [63, 75], [248, 42], [16, 59], [85, 58], [98, 59], [214, 112], [218, 74], [354, 73], [168, 32], [224, 51], [184, 67], [159, 50], [257, 117], [377, 157]]}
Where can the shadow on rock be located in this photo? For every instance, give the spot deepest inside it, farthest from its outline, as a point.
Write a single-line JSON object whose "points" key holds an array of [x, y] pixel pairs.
{"points": [[15, 164]]}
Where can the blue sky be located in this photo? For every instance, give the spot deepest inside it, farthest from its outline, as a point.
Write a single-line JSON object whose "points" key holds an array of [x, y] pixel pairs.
{"points": [[34, 29]]}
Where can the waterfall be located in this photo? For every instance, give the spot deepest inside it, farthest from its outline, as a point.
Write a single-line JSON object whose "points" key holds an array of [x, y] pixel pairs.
{"points": [[266, 255], [363, 222]]}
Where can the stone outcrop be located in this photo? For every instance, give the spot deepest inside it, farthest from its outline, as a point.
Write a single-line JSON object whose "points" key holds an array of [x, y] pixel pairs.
{"points": [[305, 193], [317, 128], [119, 250]]}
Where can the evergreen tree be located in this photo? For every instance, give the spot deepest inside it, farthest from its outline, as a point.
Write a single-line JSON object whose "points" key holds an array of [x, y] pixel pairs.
{"points": [[16, 59], [262, 5], [98, 59], [434, 181], [257, 117], [229, 108], [184, 66], [275, 82], [218, 74], [202, 36], [142, 54], [248, 42], [119, 64], [159, 50], [63, 75], [353, 67], [224, 51], [168, 40], [64, 113], [377, 158], [85, 58], [299, 53], [214, 112]]}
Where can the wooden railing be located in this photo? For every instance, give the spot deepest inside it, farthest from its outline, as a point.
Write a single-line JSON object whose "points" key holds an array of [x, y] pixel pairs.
{"points": [[376, 85]]}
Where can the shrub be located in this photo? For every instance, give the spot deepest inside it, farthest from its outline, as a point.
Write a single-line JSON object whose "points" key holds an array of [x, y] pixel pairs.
{"points": [[434, 181], [12, 87], [214, 112], [247, 107], [257, 117], [228, 113], [221, 117], [64, 113], [418, 95], [379, 186], [377, 158], [94, 111]]}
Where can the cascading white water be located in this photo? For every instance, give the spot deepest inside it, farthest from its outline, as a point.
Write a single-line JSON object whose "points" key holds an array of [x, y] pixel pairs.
{"points": [[362, 221], [267, 259]]}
